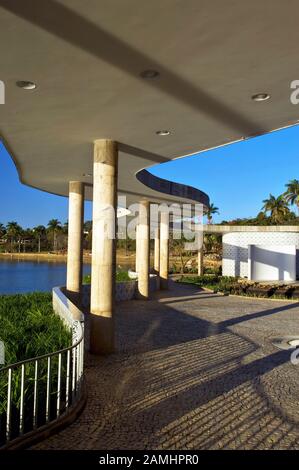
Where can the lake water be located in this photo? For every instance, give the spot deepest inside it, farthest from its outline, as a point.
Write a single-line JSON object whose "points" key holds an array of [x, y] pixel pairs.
{"points": [[19, 276]]}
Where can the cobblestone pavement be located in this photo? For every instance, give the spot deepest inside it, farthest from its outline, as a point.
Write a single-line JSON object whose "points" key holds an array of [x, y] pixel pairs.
{"points": [[193, 371]]}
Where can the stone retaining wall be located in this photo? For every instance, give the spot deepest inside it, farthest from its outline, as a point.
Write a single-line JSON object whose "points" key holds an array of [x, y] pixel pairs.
{"points": [[123, 290]]}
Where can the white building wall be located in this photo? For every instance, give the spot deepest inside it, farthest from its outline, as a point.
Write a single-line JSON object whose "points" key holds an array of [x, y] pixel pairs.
{"points": [[277, 262], [235, 249]]}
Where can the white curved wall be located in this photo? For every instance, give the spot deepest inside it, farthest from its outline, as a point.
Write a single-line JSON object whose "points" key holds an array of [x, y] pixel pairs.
{"points": [[235, 249]]}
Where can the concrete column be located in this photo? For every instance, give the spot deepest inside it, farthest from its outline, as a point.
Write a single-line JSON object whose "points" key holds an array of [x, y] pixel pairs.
{"points": [[157, 251], [164, 249], [200, 262], [143, 252], [103, 266], [75, 237]]}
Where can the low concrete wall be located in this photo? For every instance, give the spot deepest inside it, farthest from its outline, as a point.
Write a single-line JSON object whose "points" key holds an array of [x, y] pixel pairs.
{"points": [[69, 313], [64, 308]]}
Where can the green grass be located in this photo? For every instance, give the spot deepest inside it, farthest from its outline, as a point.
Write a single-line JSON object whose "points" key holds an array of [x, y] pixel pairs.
{"points": [[230, 285], [122, 276], [29, 328], [211, 281]]}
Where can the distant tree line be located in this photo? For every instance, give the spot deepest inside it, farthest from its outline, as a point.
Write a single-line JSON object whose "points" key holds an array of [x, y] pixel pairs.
{"points": [[50, 238], [53, 237]]}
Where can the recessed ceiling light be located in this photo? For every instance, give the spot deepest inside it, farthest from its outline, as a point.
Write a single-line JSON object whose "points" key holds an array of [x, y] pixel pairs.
{"points": [[260, 97], [26, 85], [165, 132], [149, 74], [87, 175]]}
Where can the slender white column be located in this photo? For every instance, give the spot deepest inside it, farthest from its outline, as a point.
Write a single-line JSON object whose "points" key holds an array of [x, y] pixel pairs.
{"points": [[200, 262], [157, 251], [164, 249], [143, 251], [75, 237], [103, 266]]}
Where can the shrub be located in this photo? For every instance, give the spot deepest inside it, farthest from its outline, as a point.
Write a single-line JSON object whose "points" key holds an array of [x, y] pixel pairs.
{"points": [[121, 276], [213, 270], [229, 285], [87, 279], [211, 281]]}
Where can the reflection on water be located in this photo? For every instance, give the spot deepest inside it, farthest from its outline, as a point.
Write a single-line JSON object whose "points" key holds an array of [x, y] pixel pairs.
{"points": [[17, 276]]}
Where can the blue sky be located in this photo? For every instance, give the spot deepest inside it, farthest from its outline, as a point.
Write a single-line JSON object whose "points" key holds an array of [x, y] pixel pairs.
{"points": [[237, 178]]}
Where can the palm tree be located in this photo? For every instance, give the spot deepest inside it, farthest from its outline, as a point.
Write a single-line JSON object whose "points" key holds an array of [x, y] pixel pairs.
{"points": [[2, 230], [14, 232], [65, 227], [87, 234], [26, 238], [292, 193], [277, 206], [210, 211], [87, 226], [39, 231], [54, 226]]}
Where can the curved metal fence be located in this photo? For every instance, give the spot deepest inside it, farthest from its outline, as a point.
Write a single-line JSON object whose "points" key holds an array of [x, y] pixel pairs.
{"points": [[38, 391]]}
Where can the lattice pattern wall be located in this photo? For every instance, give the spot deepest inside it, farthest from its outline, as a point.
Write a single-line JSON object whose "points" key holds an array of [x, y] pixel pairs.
{"points": [[235, 249]]}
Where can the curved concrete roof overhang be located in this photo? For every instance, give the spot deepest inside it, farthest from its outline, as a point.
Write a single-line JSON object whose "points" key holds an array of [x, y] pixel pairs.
{"points": [[86, 59], [181, 191]]}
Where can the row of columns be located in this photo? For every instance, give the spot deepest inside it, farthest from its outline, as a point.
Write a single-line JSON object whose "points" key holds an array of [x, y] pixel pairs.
{"points": [[161, 250], [103, 266]]}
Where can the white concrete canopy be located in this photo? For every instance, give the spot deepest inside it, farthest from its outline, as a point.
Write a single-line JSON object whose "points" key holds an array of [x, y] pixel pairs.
{"points": [[86, 59]]}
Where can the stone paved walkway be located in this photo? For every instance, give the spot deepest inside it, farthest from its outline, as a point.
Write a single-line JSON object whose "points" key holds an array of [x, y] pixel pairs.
{"points": [[193, 371]]}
